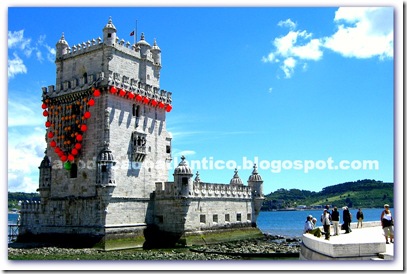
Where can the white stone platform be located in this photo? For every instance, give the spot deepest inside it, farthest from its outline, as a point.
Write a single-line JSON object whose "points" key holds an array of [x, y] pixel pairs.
{"points": [[365, 243]]}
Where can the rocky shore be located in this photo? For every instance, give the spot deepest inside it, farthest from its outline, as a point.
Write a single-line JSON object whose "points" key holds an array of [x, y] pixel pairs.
{"points": [[270, 246]]}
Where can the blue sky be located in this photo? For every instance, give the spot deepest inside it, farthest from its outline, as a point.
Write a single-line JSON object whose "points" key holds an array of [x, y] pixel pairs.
{"points": [[269, 83]]}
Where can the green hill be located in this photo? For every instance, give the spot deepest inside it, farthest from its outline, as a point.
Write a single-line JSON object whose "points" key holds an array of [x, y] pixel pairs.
{"points": [[14, 199], [362, 193]]}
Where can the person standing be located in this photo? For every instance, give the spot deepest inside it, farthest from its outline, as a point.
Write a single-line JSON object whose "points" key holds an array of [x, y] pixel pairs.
{"points": [[347, 219], [387, 224], [326, 222], [359, 216], [335, 220]]}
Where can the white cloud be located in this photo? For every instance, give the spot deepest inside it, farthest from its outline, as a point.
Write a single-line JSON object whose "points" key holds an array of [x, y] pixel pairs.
{"points": [[16, 40], [184, 153], [23, 45], [363, 32], [296, 47], [298, 44], [270, 58], [25, 153], [39, 56], [309, 51], [15, 66], [50, 53], [288, 66], [287, 23], [19, 111]]}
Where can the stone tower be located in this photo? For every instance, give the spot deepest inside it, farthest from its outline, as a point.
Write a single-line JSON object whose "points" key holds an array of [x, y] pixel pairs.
{"points": [[103, 180], [107, 142]]}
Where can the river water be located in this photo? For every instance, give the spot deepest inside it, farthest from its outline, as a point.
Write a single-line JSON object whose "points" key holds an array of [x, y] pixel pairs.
{"points": [[291, 223], [285, 223]]}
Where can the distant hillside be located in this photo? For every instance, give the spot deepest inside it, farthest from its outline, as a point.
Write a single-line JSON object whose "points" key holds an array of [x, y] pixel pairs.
{"points": [[15, 197], [362, 193]]}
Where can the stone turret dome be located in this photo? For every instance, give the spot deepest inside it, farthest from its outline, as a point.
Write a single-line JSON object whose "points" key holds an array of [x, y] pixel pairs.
{"points": [[106, 155], [142, 41], [255, 177], [45, 162], [62, 41], [236, 179], [109, 25], [182, 168], [155, 47]]}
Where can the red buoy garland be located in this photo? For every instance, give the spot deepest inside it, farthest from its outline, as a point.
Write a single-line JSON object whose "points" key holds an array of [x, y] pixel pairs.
{"points": [[66, 119]]}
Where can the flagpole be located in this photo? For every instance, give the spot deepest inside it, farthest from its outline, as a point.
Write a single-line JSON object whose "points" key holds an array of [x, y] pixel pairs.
{"points": [[135, 35]]}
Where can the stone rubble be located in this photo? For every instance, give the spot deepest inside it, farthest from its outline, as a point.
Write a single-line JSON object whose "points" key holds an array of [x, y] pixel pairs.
{"points": [[269, 245]]}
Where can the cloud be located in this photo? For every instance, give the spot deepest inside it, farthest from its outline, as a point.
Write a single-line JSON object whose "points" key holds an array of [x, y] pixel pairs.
{"points": [[19, 111], [25, 153], [26, 143], [20, 44], [50, 53], [287, 23], [15, 66], [296, 47], [288, 66], [16, 40], [184, 153], [363, 32]]}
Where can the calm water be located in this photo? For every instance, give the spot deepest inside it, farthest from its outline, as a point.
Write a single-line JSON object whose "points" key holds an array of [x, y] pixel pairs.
{"points": [[12, 218], [291, 223], [285, 223]]}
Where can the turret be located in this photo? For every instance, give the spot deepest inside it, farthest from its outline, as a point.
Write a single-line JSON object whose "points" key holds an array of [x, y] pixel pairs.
{"points": [[236, 179], [61, 47], [45, 177], [156, 52], [183, 178], [256, 183], [105, 167], [144, 46], [109, 33]]}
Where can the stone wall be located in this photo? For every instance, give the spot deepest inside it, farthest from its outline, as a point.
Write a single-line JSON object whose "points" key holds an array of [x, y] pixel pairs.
{"points": [[209, 206]]}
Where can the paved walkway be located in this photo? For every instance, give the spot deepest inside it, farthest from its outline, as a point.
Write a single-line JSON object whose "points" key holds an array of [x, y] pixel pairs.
{"points": [[362, 235], [358, 244]]}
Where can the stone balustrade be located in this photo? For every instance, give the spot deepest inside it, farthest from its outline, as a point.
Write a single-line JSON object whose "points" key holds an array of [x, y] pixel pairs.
{"points": [[30, 206], [169, 189]]}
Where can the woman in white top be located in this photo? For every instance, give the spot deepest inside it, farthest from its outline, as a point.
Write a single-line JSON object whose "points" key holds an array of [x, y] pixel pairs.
{"points": [[387, 224]]}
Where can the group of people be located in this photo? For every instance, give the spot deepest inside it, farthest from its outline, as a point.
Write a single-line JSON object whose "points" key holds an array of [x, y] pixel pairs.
{"points": [[333, 218]]}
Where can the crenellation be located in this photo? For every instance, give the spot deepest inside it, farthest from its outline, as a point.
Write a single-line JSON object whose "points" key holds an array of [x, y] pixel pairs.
{"points": [[51, 88], [83, 80], [74, 83]]}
